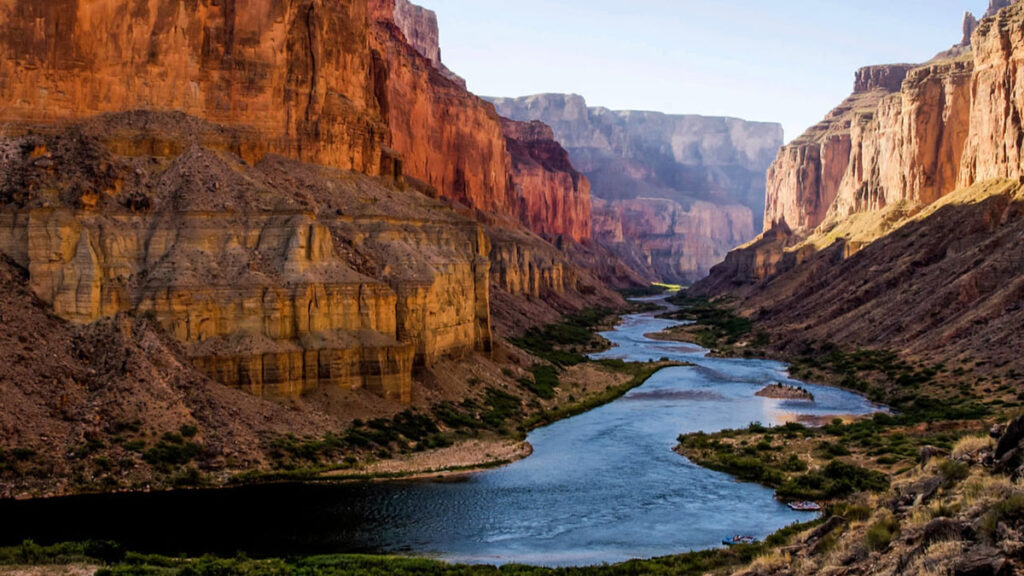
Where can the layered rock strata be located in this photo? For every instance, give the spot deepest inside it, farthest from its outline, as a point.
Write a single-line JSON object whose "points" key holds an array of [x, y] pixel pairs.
{"points": [[647, 157], [299, 75], [279, 278], [946, 124], [805, 178], [668, 240], [351, 84]]}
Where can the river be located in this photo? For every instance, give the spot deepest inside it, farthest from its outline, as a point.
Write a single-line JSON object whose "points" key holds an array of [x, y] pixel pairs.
{"points": [[604, 486]]}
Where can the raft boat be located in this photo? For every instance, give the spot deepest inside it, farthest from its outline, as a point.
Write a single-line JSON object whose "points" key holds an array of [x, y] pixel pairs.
{"points": [[736, 540]]}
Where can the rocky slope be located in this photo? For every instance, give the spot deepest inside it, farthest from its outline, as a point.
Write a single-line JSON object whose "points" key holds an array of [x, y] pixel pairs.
{"points": [[705, 168]]}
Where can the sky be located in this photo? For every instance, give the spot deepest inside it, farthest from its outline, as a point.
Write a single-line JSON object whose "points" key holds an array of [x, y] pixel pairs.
{"points": [[787, 61]]}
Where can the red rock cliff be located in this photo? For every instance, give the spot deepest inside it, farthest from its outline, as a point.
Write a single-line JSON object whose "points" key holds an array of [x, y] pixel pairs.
{"points": [[298, 73], [447, 137], [348, 83], [806, 176], [995, 145], [554, 198]]}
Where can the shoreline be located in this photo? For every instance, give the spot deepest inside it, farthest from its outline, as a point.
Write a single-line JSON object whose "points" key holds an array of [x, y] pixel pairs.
{"points": [[461, 459], [668, 335]]}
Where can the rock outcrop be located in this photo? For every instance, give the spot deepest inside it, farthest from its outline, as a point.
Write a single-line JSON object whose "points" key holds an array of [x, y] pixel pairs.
{"points": [[421, 31], [635, 156], [554, 197]]}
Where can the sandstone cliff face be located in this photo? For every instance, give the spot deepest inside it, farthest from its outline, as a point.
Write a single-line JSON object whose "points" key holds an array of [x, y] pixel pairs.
{"points": [[353, 84], [671, 241], [447, 137], [805, 178], [298, 74], [909, 150], [279, 278], [919, 249], [878, 151], [554, 197], [994, 146], [630, 156]]}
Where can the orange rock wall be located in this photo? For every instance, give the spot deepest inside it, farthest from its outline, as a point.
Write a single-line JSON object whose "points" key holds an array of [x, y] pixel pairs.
{"points": [[447, 137], [347, 83], [879, 148], [554, 197], [297, 71], [995, 145], [954, 122]]}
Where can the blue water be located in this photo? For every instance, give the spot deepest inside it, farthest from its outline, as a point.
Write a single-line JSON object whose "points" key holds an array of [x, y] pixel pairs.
{"points": [[604, 486]]}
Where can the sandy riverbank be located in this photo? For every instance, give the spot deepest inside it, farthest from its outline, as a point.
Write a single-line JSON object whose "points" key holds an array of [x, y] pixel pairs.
{"points": [[459, 459]]}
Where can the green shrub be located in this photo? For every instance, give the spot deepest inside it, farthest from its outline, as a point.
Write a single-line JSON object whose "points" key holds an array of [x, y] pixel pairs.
{"points": [[544, 381], [1009, 511], [881, 533], [794, 464], [172, 451]]}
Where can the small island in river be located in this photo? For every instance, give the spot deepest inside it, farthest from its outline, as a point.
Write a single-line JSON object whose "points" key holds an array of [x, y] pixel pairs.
{"points": [[784, 392]]}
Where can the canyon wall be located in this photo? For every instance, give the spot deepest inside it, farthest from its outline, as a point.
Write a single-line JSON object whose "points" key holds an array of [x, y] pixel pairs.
{"points": [[352, 84], [646, 157], [890, 152], [995, 144], [908, 134], [201, 164], [297, 74], [278, 278], [555, 198], [805, 178]]}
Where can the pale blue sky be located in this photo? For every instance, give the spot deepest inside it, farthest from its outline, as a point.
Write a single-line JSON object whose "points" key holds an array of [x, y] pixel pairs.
{"points": [[772, 60]]}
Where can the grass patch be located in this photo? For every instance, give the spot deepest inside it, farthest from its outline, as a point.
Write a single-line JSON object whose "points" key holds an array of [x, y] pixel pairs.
{"points": [[565, 343], [718, 327], [752, 455], [543, 382], [639, 373]]}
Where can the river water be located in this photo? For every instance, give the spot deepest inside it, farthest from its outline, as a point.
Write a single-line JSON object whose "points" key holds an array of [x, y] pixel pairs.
{"points": [[604, 486]]}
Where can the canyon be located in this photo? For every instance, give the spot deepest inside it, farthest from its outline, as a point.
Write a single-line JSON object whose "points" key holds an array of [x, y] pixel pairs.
{"points": [[292, 202], [672, 194]]}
